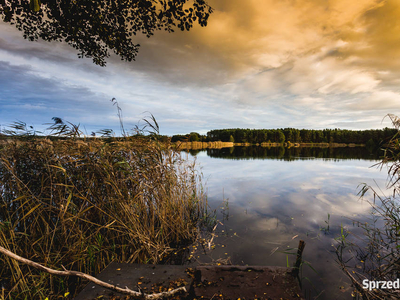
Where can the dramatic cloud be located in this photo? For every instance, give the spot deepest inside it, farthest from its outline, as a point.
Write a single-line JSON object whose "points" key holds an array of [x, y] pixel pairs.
{"points": [[258, 64]]}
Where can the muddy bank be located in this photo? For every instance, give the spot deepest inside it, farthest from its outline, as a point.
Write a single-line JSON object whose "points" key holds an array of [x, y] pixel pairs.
{"points": [[201, 282]]}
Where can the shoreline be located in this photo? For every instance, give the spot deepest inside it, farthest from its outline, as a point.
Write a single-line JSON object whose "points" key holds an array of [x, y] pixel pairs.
{"points": [[220, 145]]}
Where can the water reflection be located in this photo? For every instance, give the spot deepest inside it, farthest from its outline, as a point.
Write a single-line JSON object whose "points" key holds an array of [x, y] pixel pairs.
{"points": [[292, 153], [277, 197]]}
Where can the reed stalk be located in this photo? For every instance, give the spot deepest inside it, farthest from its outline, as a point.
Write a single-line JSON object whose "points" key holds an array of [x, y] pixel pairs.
{"points": [[375, 255], [82, 203]]}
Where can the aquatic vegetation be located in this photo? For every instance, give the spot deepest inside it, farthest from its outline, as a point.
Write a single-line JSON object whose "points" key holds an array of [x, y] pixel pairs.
{"points": [[375, 256], [82, 203]]}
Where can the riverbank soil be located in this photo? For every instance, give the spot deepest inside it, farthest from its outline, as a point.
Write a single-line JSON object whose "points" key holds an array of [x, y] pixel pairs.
{"points": [[201, 282]]}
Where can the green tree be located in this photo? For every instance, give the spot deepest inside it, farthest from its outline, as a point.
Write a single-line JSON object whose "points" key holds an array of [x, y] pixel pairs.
{"points": [[179, 137], [297, 138], [231, 139], [288, 134], [95, 27], [194, 137], [280, 136]]}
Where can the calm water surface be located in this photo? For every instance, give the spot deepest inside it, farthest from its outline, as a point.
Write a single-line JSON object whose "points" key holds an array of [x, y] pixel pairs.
{"points": [[269, 199]]}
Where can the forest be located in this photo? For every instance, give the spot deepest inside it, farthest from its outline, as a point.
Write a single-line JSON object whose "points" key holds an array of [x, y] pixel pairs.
{"points": [[371, 137]]}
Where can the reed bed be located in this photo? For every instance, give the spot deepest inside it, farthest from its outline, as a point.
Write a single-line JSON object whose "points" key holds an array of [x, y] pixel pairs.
{"points": [[375, 256], [81, 204]]}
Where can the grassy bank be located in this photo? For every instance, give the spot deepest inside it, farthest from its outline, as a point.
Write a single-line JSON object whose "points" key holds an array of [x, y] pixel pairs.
{"points": [[82, 204], [202, 145], [218, 145]]}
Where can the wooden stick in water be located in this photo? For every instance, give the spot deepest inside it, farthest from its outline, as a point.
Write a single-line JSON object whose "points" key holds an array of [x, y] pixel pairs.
{"points": [[126, 290]]}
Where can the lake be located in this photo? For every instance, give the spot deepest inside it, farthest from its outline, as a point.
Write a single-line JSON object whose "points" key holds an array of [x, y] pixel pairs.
{"points": [[269, 199]]}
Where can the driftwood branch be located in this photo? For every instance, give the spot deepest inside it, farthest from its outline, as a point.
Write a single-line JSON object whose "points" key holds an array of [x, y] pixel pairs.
{"points": [[125, 290]]}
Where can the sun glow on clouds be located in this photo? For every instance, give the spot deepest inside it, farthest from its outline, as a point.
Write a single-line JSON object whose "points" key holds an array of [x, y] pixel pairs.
{"points": [[259, 64]]}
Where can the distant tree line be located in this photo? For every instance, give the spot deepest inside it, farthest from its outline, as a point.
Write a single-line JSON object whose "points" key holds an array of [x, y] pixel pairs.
{"points": [[372, 137], [190, 137]]}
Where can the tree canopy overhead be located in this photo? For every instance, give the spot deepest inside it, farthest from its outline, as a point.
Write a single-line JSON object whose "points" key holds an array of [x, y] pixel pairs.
{"points": [[94, 27]]}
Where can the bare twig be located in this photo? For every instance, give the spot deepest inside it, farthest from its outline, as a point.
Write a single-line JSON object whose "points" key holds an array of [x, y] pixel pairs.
{"points": [[125, 290]]}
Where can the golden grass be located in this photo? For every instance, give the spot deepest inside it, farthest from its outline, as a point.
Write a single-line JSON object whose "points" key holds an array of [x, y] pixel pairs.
{"points": [[82, 204]]}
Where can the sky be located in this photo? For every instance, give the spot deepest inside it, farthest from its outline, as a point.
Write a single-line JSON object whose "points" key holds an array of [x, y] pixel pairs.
{"points": [[310, 64]]}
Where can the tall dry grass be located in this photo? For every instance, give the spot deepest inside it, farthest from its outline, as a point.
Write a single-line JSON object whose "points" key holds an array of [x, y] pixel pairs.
{"points": [[81, 204], [375, 256]]}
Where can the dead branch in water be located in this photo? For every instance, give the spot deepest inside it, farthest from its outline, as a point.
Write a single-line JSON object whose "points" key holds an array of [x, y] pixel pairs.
{"points": [[126, 290]]}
